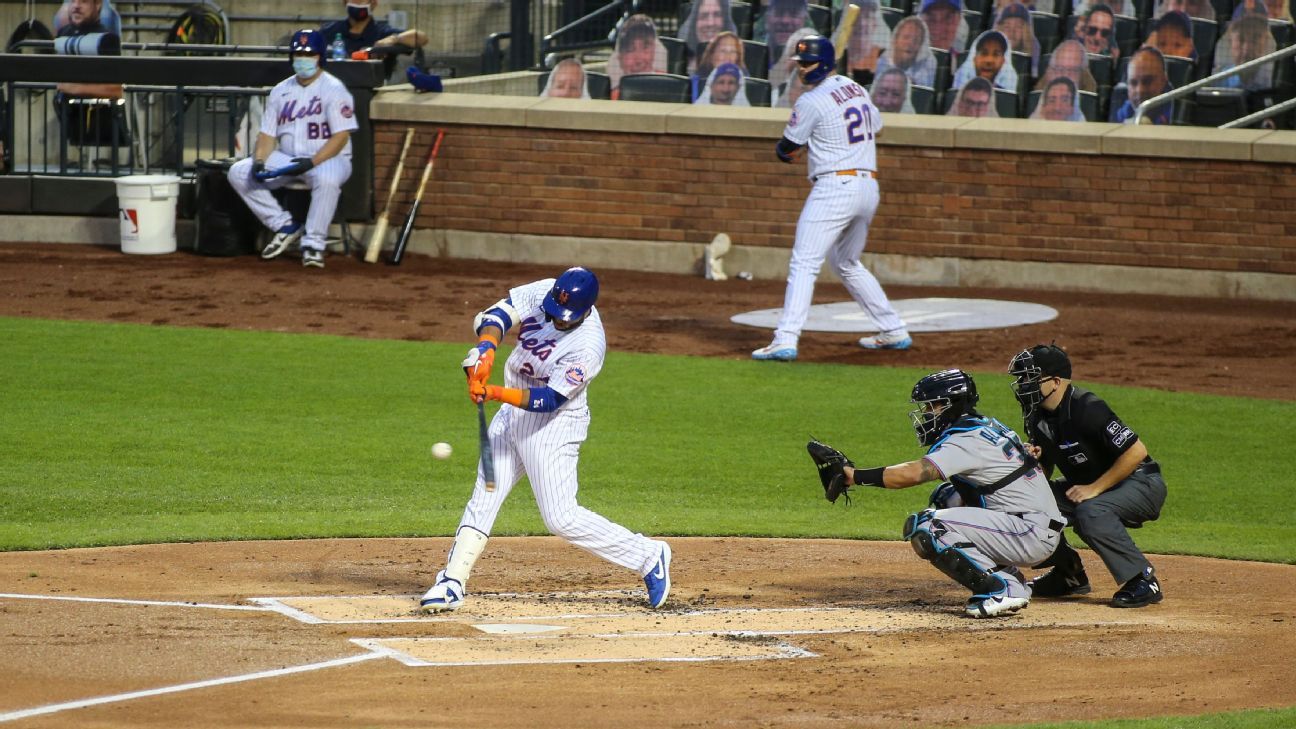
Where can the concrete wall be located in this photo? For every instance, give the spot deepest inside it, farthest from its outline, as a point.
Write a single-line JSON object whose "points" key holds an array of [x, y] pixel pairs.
{"points": [[999, 202]]}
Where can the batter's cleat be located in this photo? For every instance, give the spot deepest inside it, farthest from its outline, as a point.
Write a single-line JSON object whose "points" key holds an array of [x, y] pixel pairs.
{"points": [[312, 258], [1138, 592], [979, 606], [283, 238], [658, 580], [1057, 583], [446, 594], [898, 339], [776, 353]]}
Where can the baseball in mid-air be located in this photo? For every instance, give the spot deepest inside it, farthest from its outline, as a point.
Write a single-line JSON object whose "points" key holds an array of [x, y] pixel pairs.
{"points": [[441, 451]]}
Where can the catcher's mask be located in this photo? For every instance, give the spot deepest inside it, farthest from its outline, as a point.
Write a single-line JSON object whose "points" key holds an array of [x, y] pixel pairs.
{"points": [[942, 398], [1031, 367], [572, 296]]}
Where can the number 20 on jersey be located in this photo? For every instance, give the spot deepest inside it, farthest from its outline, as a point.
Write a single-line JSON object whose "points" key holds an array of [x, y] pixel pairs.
{"points": [[859, 124]]}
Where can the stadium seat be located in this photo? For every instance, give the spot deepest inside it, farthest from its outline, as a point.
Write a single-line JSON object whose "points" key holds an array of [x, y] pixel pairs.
{"points": [[1127, 34], [666, 87], [600, 86], [892, 16], [742, 17], [676, 55], [976, 23], [821, 19], [758, 91], [1283, 32], [1021, 63], [923, 98], [1101, 69], [1006, 103], [944, 76], [756, 57], [1046, 27], [1212, 107], [1205, 32]]}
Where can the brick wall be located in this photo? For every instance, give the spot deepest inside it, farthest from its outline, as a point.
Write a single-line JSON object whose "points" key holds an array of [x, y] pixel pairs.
{"points": [[965, 203]]}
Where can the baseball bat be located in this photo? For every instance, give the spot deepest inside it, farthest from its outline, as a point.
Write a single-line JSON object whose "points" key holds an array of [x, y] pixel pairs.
{"points": [[380, 228], [399, 252], [487, 457], [844, 29]]}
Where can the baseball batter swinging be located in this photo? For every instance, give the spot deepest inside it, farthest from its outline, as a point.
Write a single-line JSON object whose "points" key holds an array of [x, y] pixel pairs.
{"points": [[995, 512], [305, 133], [539, 429], [837, 120]]}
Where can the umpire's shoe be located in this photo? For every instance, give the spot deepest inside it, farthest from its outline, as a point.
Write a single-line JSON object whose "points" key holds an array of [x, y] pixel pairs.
{"points": [[658, 578], [1059, 583], [283, 238], [1142, 590]]}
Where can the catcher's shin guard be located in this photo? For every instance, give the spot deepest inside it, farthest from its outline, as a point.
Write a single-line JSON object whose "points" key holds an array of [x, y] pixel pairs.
{"points": [[925, 535]]}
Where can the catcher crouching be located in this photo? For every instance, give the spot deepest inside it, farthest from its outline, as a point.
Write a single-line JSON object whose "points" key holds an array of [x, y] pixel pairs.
{"points": [[993, 514]]}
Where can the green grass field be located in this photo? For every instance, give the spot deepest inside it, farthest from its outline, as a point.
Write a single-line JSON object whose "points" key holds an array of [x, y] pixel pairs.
{"points": [[121, 434]]}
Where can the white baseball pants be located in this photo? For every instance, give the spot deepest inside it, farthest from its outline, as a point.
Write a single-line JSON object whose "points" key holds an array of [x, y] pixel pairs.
{"points": [[834, 222], [325, 182], [546, 448]]}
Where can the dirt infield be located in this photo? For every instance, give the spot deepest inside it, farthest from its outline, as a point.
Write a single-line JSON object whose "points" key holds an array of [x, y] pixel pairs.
{"points": [[757, 632]]}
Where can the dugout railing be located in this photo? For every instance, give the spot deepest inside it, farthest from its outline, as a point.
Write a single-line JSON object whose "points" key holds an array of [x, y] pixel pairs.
{"points": [[62, 157]]}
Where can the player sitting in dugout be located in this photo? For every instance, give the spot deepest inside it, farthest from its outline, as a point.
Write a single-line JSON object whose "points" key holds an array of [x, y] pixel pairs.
{"points": [[361, 29]]}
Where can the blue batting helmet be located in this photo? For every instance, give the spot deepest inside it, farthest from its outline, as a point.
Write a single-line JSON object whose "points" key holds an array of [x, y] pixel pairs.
{"points": [[308, 41], [572, 295], [815, 48]]}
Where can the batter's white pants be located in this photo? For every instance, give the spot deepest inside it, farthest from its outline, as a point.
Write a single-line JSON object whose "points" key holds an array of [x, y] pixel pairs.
{"points": [[546, 447], [834, 222], [325, 182]]}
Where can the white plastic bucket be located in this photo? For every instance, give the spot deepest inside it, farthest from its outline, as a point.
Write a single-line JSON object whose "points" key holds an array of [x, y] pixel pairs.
{"points": [[146, 207]]}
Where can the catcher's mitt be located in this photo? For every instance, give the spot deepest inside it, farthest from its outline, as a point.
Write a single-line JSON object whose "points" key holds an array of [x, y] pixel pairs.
{"points": [[831, 464]]}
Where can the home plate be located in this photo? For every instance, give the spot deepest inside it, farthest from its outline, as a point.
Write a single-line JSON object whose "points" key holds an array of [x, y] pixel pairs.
{"points": [[920, 315]]}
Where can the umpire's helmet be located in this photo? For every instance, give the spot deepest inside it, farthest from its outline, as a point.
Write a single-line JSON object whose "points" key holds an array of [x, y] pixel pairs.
{"points": [[1031, 367], [942, 398], [308, 42], [572, 295], [815, 49]]}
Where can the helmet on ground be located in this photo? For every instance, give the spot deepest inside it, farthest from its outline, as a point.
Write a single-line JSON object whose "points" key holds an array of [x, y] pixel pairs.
{"points": [[573, 295], [815, 48], [309, 42], [942, 398], [1031, 367]]}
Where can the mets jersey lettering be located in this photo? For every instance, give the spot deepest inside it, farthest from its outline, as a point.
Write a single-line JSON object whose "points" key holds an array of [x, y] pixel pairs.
{"points": [[566, 361], [304, 118], [838, 121]]}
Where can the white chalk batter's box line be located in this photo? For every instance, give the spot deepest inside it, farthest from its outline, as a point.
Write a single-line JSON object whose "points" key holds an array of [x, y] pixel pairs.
{"points": [[780, 651], [278, 605]]}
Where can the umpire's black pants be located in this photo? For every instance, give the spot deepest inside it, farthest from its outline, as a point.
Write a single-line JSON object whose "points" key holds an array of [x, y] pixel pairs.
{"points": [[1102, 521]]}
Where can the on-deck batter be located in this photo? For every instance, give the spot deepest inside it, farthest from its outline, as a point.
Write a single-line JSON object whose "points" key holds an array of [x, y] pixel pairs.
{"points": [[539, 429], [305, 133], [839, 122]]}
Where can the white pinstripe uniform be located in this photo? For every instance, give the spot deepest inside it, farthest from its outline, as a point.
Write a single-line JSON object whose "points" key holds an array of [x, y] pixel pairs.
{"points": [[838, 121], [302, 119], [546, 446]]}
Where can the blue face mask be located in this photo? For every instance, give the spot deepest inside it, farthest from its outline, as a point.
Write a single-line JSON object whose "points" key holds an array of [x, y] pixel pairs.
{"points": [[358, 13], [305, 67]]}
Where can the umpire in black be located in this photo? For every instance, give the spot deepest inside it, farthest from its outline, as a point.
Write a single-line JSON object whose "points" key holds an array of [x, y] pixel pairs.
{"points": [[1109, 482]]}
